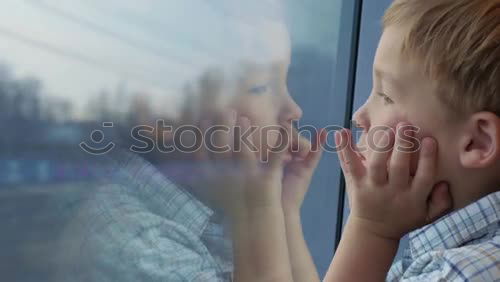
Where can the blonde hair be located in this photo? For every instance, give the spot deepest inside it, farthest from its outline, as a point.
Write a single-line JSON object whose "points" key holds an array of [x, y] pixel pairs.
{"points": [[456, 42]]}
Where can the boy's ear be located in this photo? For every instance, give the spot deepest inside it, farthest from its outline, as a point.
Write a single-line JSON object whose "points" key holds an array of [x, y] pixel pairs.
{"points": [[480, 142]]}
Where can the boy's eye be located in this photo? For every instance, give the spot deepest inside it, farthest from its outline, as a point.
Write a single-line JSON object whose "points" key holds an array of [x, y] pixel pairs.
{"points": [[386, 98], [258, 89]]}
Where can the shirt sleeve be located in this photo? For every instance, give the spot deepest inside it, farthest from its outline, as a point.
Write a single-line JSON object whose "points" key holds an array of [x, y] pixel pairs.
{"points": [[120, 239], [396, 272], [479, 262]]}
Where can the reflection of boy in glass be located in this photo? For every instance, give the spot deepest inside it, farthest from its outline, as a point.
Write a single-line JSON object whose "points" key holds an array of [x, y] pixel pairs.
{"points": [[143, 226]]}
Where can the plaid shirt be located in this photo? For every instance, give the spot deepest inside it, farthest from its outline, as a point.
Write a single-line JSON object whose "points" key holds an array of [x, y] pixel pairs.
{"points": [[142, 227], [462, 246]]}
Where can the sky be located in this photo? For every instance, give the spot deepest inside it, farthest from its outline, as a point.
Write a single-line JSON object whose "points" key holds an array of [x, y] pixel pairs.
{"points": [[79, 48]]}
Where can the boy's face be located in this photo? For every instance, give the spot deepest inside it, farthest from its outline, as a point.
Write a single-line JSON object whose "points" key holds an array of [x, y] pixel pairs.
{"points": [[401, 93], [254, 85], [262, 93], [265, 100]]}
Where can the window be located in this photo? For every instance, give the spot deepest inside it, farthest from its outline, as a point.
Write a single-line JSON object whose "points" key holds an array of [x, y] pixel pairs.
{"points": [[77, 78]]}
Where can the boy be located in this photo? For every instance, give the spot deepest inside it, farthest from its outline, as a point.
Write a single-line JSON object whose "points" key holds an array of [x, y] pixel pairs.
{"points": [[437, 67]]}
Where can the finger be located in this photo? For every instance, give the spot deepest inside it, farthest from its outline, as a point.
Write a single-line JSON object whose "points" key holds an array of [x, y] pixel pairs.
{"points": [[339, 144], [294, 141], [320, 139], [399, 167], [423, 181], [377, 162], [245, 156], [439, 202], [316, 152], [300, 147], [276, 154], [352, 163]]}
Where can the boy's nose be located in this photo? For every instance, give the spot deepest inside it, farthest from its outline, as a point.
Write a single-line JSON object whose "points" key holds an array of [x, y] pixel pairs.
{"points": [[360, 119], [291, 111]]}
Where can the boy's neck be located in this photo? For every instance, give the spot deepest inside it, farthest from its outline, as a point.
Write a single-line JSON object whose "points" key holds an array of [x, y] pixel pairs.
{"points": [[470, 192]]}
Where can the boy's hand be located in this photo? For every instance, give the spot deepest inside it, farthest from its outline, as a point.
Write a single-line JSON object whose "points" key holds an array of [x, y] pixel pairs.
{"points": [[385, 199], [235, 179], [299, 171], [249, 192], [296, 181]]}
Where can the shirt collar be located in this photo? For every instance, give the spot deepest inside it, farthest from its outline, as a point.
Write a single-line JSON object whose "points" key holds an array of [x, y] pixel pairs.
{"points": [[459, 227], [160, 194]]}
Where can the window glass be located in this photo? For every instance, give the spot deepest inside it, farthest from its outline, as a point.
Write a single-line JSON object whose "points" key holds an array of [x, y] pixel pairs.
{"points": [[94, 94]]}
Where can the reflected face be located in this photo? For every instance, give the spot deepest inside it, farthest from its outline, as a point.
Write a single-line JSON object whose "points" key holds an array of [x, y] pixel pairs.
{"points": [[258, 87], [254, 85], [263, 93], [401, 93], [263, 97]]}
